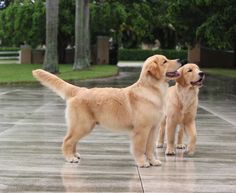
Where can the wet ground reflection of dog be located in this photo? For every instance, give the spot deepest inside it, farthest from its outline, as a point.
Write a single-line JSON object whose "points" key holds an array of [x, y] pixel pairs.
{"points": [[178, 173], [81, 178]]}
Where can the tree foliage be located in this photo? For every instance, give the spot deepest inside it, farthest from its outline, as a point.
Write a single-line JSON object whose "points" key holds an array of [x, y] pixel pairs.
{"points": [[219, 28], [23, 22], [211, 22], [129, 22], [106, 18]]}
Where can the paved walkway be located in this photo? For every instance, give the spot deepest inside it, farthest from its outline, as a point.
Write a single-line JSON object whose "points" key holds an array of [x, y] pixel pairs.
{"points": [[32, 128]]}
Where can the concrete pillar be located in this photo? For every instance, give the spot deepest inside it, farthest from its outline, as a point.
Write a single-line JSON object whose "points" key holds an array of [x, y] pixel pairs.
{"points": [[25, 54], [102, 50], [194, 54]]}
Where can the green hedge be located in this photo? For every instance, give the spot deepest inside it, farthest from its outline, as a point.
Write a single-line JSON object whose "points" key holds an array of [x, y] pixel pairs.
{"points": [[9, 49], [141, 55], [9, 54]]}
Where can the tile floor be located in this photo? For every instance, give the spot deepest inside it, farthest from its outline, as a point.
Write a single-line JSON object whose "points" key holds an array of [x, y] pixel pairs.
{"points": [[32, 128]]}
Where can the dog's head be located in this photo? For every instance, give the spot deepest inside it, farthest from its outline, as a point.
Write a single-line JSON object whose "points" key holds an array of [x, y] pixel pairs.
{"points": [[190, 75], [159, 67]]}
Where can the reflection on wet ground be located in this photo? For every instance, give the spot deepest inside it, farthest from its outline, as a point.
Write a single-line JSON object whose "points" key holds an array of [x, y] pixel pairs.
{"points": [[32, 128], [218, 88], [218, 97]]}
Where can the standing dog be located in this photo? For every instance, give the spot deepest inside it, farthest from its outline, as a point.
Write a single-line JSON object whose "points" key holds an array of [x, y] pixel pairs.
{"points": [[181, 108], [137, 108]]}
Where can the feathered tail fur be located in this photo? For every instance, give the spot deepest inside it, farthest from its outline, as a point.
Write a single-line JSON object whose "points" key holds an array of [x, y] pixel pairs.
{"points": [[59, 86]]}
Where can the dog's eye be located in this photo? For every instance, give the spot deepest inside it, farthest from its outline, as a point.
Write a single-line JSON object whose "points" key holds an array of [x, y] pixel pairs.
{"points": [[190, 70], [164, 61]]}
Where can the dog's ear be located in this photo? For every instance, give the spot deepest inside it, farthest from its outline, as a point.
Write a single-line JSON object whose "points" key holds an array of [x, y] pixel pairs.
{"points": [[181, 79], [153, 69]]}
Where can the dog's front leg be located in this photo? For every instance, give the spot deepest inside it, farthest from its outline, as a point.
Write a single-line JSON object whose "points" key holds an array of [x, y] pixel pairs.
{"points": [[170, 128], [192, 134], [180, 143], [138, 146], [151, 147]]}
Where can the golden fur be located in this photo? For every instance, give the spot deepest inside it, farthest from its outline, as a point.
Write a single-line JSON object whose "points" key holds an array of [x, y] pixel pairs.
{"points": [[181, 109], [137, 108]]}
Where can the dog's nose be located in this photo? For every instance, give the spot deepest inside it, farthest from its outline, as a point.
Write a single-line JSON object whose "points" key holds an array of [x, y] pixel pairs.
{"points": [[201, 74]]}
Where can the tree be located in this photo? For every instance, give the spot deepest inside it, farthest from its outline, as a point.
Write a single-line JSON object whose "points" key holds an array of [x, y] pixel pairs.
{"points": [[51, 56], [66, 32], [132, 22], [15, 19], [4, 4], [210, 22], [82, 49], [129, 23], [87, 30], [219, 28], [186, 17], [107, 18]]}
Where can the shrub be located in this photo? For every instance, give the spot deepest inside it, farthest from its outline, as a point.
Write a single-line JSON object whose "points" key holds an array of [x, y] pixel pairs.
{"points": [[141, 55], [9, 49]]}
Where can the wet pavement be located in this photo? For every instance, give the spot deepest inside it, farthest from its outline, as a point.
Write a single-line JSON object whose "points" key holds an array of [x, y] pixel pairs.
{"points": [[32, 128]]}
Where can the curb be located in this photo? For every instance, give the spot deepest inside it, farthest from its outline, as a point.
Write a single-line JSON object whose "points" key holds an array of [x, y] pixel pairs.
{"points": [[130, 66]]}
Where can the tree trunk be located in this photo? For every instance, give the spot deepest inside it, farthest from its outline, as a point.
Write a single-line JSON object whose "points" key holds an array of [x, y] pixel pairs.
{"points": [[87, 29], [61, 47], [51, 56], [82, 50], [234, 47]]}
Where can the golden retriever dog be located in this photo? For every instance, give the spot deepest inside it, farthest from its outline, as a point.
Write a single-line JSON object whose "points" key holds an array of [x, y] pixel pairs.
{"points": [[181, 109], [137, 108]]}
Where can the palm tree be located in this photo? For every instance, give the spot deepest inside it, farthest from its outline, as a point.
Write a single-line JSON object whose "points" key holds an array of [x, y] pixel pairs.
{"points": [[51, 56], [82, 49]]}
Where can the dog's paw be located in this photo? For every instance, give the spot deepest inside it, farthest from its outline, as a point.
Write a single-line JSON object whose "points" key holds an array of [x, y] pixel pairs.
{"points": [[155, 162], [170, 152], [160, 145], [190, 153], [77, 155], [72, 159], [143, 165], [180, 146]]}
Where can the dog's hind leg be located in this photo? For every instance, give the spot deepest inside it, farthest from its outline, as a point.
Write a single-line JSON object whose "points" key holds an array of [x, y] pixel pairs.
{"points": [[79, 125], [161, 135]]}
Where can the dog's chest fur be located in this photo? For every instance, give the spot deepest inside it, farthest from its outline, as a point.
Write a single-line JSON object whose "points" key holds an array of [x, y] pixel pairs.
{"points": [[154, 96], [154, 102], [188, 99]]}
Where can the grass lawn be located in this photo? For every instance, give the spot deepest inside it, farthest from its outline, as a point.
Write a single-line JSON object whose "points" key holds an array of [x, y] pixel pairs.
{"points": [[22, 73], [221, 72]]}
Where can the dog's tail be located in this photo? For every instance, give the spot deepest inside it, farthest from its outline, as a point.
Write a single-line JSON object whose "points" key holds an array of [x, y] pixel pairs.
{"points": [[59, 86]]}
